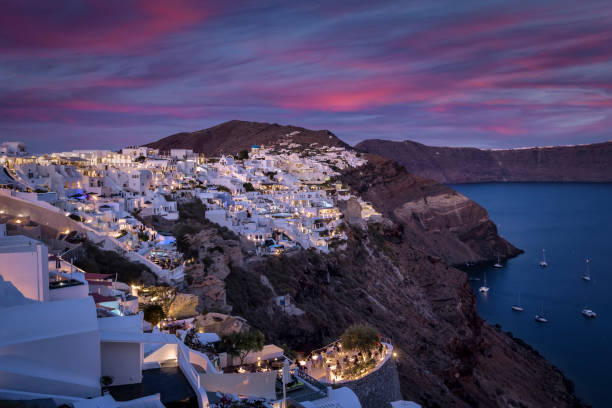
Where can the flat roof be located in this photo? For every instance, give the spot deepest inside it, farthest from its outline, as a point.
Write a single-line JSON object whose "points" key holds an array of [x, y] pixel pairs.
{"points": [[17, 243], [47, 320]]}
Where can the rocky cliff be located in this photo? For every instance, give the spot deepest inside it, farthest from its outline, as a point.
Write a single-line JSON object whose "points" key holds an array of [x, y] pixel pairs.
{"points": [[236, 135], [583, 163], [396, 274], [447, 356], [434, 219]]}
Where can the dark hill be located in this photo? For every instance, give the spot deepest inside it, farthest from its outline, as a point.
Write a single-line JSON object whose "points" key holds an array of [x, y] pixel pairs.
{"points": [[582, 163], [235, 135]]}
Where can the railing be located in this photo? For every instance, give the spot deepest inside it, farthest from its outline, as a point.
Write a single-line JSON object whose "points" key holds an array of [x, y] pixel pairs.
{"points": [[386, 340], [324, 348], [192, 375], [74, 254], [311, 380], [195, 357]]}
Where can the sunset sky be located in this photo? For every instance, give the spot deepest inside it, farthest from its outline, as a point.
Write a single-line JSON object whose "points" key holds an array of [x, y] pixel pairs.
{"points": [[105, 73]]}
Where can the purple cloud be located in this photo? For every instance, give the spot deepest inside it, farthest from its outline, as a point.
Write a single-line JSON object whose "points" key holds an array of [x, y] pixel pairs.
{"points": [[98, 73]]}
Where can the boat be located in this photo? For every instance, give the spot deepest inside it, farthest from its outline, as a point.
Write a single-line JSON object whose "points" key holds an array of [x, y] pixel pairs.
{"points": [[472, 279], [498, 264], [518, 307], [540, 317], [589, 313], [543, 262], [484, 288], [587, 273]]}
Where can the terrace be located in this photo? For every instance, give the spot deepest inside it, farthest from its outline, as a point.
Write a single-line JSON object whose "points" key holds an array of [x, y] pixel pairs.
{"points": [[168, 381], [64, 283], [301, 386], [333, 364]]}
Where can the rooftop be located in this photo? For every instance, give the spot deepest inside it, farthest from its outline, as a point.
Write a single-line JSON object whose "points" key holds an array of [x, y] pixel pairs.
{"points": [[17, 243]]}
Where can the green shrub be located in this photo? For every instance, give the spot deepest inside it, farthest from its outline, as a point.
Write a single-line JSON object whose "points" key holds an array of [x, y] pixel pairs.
{"points": [[242, 343], [360, 337], [153, 313]]}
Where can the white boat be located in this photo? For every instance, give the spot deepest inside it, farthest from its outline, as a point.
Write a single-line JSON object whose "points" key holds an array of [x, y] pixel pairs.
{"points": [[540, 317], [589, 313], [543, 262], [498, 264], [587, 273], [518, 307], [484, 288]]}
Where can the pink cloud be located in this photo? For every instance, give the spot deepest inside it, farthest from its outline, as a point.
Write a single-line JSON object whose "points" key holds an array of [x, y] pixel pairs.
{"points": [[101, 26]]}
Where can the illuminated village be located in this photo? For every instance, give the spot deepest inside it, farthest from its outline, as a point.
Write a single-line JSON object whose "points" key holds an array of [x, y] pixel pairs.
{"points": [[91, 335]]}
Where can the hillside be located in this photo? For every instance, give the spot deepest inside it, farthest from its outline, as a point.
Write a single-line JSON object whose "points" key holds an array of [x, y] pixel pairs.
{"points": [[235, 135], [583, 163], [395, 273]]}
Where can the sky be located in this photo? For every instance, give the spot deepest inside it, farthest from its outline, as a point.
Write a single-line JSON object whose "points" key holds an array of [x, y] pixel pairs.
{"points": [[492, 74]]}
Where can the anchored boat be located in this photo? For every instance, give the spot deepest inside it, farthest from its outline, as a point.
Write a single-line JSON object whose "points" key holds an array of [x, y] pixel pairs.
{"points": [[543, 262]]}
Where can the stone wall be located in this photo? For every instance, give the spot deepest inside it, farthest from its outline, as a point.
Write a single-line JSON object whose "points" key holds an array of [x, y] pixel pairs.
{"points": [[52, 220], [378, 389]]}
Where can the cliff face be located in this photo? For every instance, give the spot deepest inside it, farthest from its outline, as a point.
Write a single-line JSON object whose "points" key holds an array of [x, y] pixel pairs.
{"points": [[585, 163], [236, 135], [435, 219], [447, 356], [395, 275]]}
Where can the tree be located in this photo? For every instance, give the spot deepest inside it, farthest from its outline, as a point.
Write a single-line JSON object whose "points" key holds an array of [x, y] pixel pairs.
{"points": [[153, 313], [242, 343], [243, 154], [360, 337], [106, 381], [288, 352], [248, 187]]}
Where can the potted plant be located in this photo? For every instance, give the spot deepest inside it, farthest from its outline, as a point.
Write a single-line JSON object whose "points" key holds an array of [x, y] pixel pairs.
{"points": [[105, 382]]}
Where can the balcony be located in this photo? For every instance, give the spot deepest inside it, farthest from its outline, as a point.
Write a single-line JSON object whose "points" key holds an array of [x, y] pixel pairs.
{"points": [[64, 283]]}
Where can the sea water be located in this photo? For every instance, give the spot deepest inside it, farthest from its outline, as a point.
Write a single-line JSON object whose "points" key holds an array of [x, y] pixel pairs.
{"points": [[573, 222]]}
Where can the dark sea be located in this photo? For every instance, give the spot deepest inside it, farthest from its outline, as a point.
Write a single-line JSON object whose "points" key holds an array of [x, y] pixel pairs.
{"points": [[573, 222]]}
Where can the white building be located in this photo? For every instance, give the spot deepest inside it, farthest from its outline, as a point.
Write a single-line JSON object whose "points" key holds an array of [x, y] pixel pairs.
{"points": [[23, 261], [12, 148], [181, 153], [62, 350], [139, 151]]}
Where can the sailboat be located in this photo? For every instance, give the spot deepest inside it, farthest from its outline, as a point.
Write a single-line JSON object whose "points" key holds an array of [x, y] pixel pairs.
{"points": [[484, 288], [589, 313], [518, 307], [543, 262], [498, 264], [540, 317], [587, 274]]}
